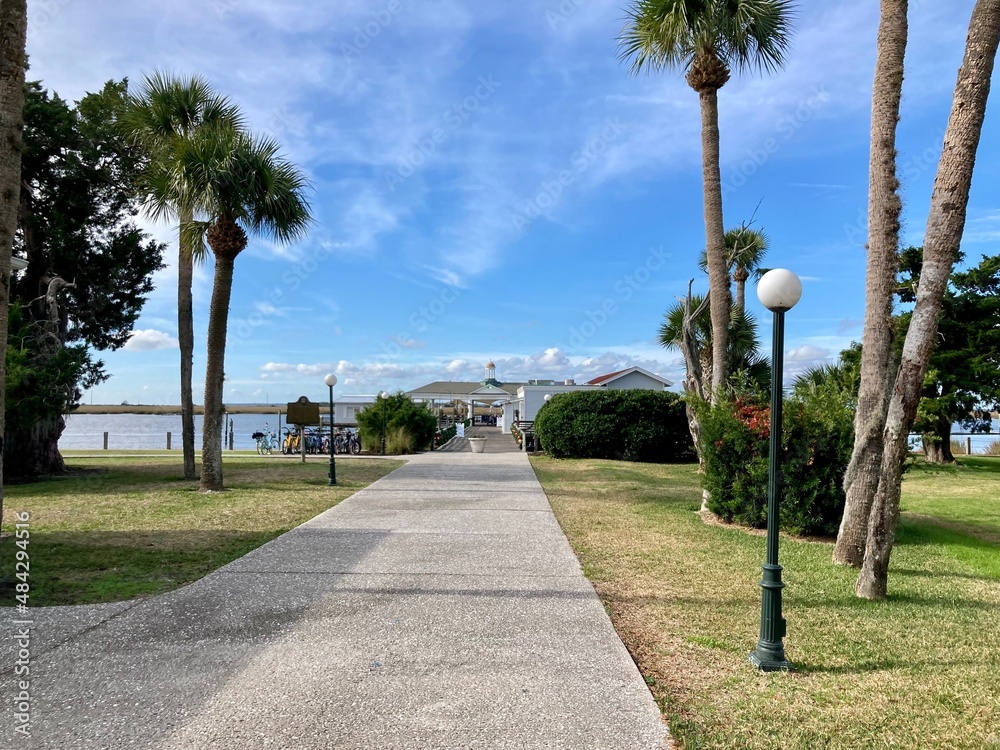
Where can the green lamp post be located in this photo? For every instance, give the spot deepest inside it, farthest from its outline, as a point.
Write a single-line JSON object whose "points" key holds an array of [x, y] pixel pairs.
{"points": [[779, 290], [331, 380]]}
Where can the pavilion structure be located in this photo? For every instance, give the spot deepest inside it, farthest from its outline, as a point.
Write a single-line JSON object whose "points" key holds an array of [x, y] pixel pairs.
{"points": [[520, 401]]}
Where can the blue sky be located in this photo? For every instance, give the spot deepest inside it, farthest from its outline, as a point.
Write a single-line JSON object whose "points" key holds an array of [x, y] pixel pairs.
{"points": [[490, 182]]}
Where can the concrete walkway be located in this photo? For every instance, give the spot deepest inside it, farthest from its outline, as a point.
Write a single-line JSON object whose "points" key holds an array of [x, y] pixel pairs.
{"points": [[441, 607]]}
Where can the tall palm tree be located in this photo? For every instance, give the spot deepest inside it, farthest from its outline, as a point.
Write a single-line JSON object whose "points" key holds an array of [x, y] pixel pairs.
{"points": [[13, 29], [165, 111], [745, 249], [942, 240], [240, 185], [861, 478], [707, 39]]}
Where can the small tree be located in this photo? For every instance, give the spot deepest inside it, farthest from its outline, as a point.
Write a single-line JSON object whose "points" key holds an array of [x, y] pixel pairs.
{"points": [[963, 378], [398, 415]]}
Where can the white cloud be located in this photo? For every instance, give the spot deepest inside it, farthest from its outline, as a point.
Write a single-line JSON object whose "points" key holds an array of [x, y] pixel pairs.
{"points": [[148, 340], [806, 353]]}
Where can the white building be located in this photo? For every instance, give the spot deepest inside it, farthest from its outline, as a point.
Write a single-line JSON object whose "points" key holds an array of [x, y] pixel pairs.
{"points": [[521, 401], [345, 409]]}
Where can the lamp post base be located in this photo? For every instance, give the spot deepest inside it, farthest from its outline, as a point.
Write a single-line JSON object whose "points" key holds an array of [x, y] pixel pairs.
{"points": [[767, 664], [770, 653]]}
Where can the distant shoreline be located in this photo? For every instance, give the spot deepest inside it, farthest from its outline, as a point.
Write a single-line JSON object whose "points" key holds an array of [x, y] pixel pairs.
{"points": [[158, 409], [198, 409]]}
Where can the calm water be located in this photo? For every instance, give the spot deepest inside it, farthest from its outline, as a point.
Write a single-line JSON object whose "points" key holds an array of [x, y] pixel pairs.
{"points": [[84, 431]]}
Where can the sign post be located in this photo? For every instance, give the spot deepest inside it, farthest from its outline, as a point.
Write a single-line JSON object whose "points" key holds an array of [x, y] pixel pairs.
{"points": [[301, 413]]}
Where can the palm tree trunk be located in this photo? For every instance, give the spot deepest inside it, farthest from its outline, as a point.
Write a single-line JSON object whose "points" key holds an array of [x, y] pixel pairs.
{"points": [[218, 319], [741, 294], [185, 338], [720, 299], [13, 27], [945, 224], [862, 475]]}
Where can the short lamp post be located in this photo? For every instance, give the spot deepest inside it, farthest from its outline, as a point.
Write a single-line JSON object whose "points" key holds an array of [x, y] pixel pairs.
{"points": [[385, 397], [331, 380], [778, 290], [538, 443]]}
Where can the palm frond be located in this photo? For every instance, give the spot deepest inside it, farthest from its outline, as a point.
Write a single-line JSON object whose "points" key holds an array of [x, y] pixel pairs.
{"points": [[756, 34], [659, 34], [744, 34], [226, 174]]}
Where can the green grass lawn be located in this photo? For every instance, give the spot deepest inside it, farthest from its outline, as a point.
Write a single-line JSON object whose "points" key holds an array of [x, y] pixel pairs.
{"points": [[125, 526], [917, 671]]}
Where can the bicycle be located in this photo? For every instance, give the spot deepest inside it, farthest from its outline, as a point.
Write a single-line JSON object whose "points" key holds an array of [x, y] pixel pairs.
{"points": [[313, 442], [266, 441], [353, 443], [291, 443]]}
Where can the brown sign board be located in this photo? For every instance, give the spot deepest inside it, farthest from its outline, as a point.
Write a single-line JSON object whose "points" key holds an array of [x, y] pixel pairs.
{"points": [[303, 412]]}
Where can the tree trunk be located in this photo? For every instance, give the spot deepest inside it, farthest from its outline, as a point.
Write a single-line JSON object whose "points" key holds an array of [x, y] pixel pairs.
{"points": [[937, 444], [13, 27], [34, 452], [185, 339], [693, 374], [945, 224], [741, 289], [937, 451], [218, 320], [720, 299], [862, 475]]}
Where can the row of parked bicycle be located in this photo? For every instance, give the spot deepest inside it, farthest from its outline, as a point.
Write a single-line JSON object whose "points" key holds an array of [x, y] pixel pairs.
{"points": [[316, 441]]}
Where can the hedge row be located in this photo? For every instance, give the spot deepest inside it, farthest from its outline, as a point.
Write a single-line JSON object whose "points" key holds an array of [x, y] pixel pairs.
{"points": [[629, 425]]}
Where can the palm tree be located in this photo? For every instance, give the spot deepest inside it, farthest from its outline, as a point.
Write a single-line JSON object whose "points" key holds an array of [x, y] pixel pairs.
{"points": [[708, 38], [745, 249], [13, 29], [744, 349], [240, 185], [166, 111], [942, 241], [884, 207]]}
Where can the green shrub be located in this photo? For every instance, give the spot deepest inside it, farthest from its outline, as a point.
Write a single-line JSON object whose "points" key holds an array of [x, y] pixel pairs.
{"points": [[398, 411], [818, 435], [443, 436], [630, 425]]}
